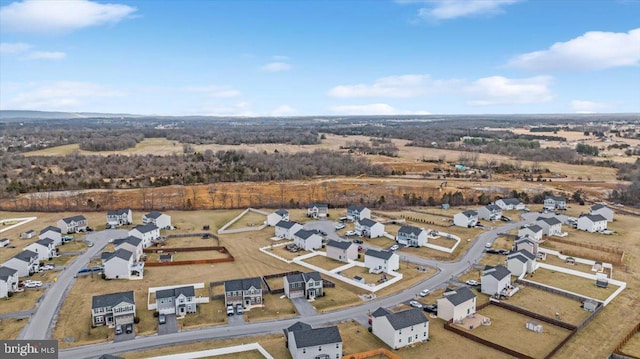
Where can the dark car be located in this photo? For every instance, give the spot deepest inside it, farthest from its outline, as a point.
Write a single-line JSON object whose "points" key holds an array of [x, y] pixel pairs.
{"points": [[504, 252], [206, 235], [129, 328], [431, 308], [357, 241], [89, 229], [492, 251]]}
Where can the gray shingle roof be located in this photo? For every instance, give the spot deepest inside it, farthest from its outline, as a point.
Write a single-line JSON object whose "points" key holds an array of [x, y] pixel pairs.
{"points": [[315, 337], [44, 242], [470, 213], [493, 207], [295, 278], [406, 318], [367, 222], [77, 218], [242, 284], [6, 272], [598, 206], [353, 208], [153, 214], [318, 205], [533, 227], [379, 254], [499, 272], [312, 275], [295, 327], [145, 228], [118, 212], [410, 230], [511, 201], [120, 253], [344, 245], [26, 255], [304, 234], [286, 224], [380, 312], [282, 212], [51, 228], [549, 220], [517, 256], [555, 198], [134, 241], [109, 356], [187, 291], [112, 299], [459, 295], [522, 253], [595, 217]]}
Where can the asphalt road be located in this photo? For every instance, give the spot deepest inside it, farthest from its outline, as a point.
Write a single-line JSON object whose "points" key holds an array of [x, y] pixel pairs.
{"points": [[446, 271], [40, 324]]}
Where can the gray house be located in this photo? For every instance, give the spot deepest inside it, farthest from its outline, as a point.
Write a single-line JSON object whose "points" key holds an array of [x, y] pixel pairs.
{"points": [[356, 213], [25, 263], [119, 217], [307, 343], [8, 281], [318, 210], [51, 232], [307, 285], [342, 250], [73, 224], [246, 291], [179, 301], [113, 309], [552, 203], [412, 236]]}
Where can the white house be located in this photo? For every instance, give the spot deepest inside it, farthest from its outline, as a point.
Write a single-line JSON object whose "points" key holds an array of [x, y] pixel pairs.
{"points": [[495, 280], [490, 212], [520, 262], [28, 234], [318, 210], [369, 228], [73, 224], [342, 251], [533, 231], [412, 236], [178, 300], [113, 309], [51, 232], [602, 210], [287, 229], [161, 220], [356, 213], [277, 216], [592, 223], [307, 343], [510, 204], [552, 203], [303, 285], [25, 263], [119, 217], [307, 240], [456, 304], [381, 261], [4, 242], [121, 265], [400, 329], [44, 247], [147, 232], [132, 244], [8, 281], [551, 226], [466, 219], [527, 243]]}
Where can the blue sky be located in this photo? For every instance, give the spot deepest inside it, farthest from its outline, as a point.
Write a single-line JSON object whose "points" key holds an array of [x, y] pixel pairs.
{"points": [[291, 58]]}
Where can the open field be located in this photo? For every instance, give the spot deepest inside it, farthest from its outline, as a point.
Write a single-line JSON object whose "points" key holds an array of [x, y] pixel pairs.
{"points": [[21, 300], [275, 308], [548, 304], [571, 283], [187, 256], [250, 219], [632, 347], [10, 328], [324, 262], [581, 252]]}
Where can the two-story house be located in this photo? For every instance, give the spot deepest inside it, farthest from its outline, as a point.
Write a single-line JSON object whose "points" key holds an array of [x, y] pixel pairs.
{"points": [[307, 343], [51, 232], [318, 210], [510, 204], [592, 223], [342, 251], [520, 262], [466, 219], [412, 236], [528, 244], [287, 229], [8, 281], [73, 224], [400, 329], [533, 231], [113, 309], [551, 226], [381, 261], [120, 217], [356, 213], [161, 220], [277, 216], [490, 212], [132, 244], [148, 233], [303, 285], [495, 280], [551, 203], [369, 228], [603, 210], [178, 301], [121, 264], [456, 304], [44, 247], [307, 240], [25, 263], [246, 291]]}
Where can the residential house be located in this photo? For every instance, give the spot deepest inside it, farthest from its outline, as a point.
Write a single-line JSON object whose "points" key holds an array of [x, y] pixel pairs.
{"points": [[8, 281], [551, 226], [44, 247], [510, 204], [356, 213], [342, 251], [161, 220], [120, 217], [73, 224], [381, 261], [307, 240], [246, 291], [4, 242], [148, 233], [490, 212], [303, 285], [495, 280], [520, 262], [369, 228], [533, 231], [28, 234], [552, 203], [456, 304], [527, 243], [412, 236], [602, 210], [178, 301], [466, 219], [287, 229], [132, 244], [121, 264], [277, 216], [400, 329], [113, 309], [52, 232], [318, 210], [592, 223], [307, 343], [25, 262]]}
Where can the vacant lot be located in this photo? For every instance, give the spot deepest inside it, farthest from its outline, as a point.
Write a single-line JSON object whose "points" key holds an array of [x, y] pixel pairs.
{"points": [[571, 283], [21, 300], [548, 304], [284, 253], [275, 308], [10, 328], [208, 314], [187, 256], [250, 219], [324, 262]]}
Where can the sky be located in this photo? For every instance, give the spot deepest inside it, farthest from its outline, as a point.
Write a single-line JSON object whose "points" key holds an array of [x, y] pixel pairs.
{"points": [[332, 57]]}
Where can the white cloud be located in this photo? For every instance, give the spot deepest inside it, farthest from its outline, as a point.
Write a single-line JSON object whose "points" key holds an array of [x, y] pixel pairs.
{"points": [[283, 110], [499, 90], [214, 91], [451, 9], [582, 106], [276, 67], [46, 55], [62, 95], [594, 50], [403, 86], [60, 16], [13, 47]]}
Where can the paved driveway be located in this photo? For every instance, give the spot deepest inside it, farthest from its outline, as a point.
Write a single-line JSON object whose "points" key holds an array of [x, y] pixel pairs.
{"points": [[304, 307], [235, 320], [124, 336], [171, 326]]}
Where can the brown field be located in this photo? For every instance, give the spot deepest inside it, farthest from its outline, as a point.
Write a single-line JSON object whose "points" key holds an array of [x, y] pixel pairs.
{"points": [[571, 283], [548, 304], [250, 219], [208, 314], [186, 256], [21, 300], [581, 252], [284, 253], [632, 347], [324, 262], [10, 328], [553, 260]]}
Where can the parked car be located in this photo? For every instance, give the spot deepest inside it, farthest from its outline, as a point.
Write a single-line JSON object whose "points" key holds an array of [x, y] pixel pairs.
{"points": [[394, 247], [340, 226], [487, 245], [47, 267], [424, 292], [90, 244], [343, 219], [472, 282], [162, 319], [492, 251], [230, 310], [504, 252], [357, 241], [415, 304], [129, 328], [351, 233], [431, 308], [118, 329], [239, 309], [89, 229], [32, 284], [505, 219]]}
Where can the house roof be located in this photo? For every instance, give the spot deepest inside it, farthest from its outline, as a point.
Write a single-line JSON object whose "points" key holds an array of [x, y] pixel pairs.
{"points": [[598, 206], [242, 284], [353, 208], [120, 253], [105, 255], [410, 230], [470, 213], [282, 212], [6, 272], [367, 222], [499, 272], [526, 253], [549, 220], [315, 337], [525, 238], [26, 255], [134, 241], [187, 291], [459, 296], [380, 312], [379, 254], [119, 212], [30, 231], [595, 217], [318, 205], [286, 224], [304, 234], [295, 327], [533, 227], [555, 198], [153, 214], [512, 201], [112, 299], [340, 244], [312, 275], [50, 228], [493, 207], [44, 242], [294, 278], [517, 256], [406, 318], [145, 228], [74, 219]]}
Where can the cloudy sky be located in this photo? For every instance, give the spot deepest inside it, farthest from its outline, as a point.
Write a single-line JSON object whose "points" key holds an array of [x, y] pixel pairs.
{"points": [[289, 58]]}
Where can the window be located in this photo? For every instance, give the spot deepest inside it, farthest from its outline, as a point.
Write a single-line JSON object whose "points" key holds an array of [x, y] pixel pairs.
{"points": [[304, 350], [337, 345]]}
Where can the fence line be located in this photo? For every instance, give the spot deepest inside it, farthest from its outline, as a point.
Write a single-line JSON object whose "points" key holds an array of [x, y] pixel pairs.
{"points": [[450, 327], [618, 349]]}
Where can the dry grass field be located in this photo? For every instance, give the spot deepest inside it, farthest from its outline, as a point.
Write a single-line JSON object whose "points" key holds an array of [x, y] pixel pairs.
{"points": [[571, 283], [21, 300], [10, 328], [363, 273], [632, 347], [548, 304], [275, 308], [324, 262], [250, 219]]}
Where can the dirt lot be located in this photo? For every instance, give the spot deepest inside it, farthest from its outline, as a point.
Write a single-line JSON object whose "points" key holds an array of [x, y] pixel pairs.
{"points": [[548, 304], [571, 283]]}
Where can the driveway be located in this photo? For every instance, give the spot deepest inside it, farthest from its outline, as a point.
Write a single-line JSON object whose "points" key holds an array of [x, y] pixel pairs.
{"points": [[124, 336], [235, 320], [171, 326], [304, 307]]}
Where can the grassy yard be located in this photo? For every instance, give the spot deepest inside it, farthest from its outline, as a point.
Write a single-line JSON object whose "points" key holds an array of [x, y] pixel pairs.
{"points": [[342, 296], [553, 260], [632, 347], [571, 283], [363, 273], [284, 253], [208, 314], [581, 252], [250, 219], [186, 256], [324, 262], [548, 304], [10, 328], [21, 300], [275, 308]]}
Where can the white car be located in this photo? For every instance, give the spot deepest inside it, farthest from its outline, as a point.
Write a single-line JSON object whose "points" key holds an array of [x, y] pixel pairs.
{"points": [[395, 247], [472, 282], [351, 233], [339, 226], [424, 292], [33, 284], [415, 304]]}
